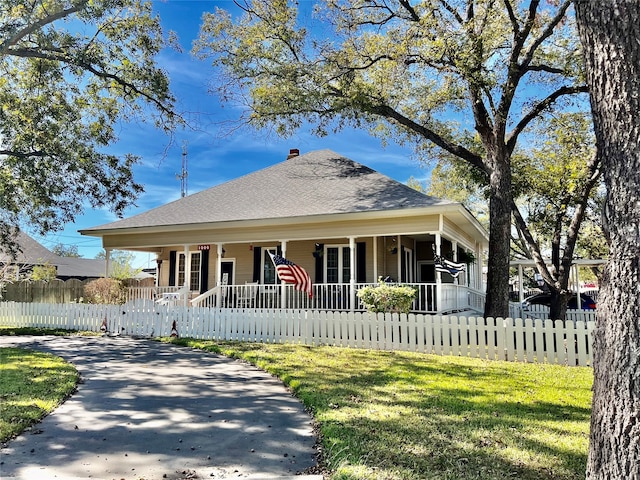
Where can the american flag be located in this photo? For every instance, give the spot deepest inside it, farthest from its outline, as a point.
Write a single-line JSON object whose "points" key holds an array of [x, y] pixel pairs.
{"points": [[289, 272]]}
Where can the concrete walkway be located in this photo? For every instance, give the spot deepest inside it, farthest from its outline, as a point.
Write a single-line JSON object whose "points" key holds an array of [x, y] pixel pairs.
{"points": [[146, 410]]}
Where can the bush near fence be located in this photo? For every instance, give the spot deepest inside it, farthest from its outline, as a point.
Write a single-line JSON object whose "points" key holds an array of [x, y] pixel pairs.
{"points": [[566, 343]]}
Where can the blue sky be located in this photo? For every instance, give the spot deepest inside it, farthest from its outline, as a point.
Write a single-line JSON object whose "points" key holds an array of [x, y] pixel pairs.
{"points": [[212, 158]]}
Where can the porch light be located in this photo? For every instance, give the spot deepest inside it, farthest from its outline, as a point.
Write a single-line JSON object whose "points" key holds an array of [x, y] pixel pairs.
{"points": [[393, 248]]}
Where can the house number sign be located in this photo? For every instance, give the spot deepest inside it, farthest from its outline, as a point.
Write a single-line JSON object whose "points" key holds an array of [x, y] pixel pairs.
{"points": [[204, 247]]}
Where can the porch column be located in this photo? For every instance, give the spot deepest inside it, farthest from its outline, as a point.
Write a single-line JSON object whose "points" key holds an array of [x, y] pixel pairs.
{"points": [[107, 261], [158, 265], [187, 274], [399, 258], [352, 273], [454, 246], [480, 273], [219, 293], [438, 241], [375, 259], [283, 286], [520, 284], [219, 250]]}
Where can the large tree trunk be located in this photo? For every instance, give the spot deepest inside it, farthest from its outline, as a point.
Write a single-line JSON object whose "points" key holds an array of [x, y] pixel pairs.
{"points": [[610, 33], [497, 301], [558, 309]]}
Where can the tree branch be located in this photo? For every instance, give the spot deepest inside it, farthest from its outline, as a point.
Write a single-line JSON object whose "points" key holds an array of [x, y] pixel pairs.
{"points": [[457, 150], [546, 33], [538, 108], [412, 12], [593, 167], [533, 247], [127, 86], [29, 29], [12, 153]]}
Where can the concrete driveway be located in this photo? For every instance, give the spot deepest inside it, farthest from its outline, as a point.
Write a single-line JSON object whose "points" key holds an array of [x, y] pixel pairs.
{"points": [[147, 410]]}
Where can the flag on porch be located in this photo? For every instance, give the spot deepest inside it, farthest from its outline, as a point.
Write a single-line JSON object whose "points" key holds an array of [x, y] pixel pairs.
{"points": [[447, 266], [289, 272]]}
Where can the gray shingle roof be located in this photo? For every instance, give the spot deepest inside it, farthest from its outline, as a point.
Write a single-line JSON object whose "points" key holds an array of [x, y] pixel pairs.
{"points": [[316, 183], [80, 267], [32, 253]]}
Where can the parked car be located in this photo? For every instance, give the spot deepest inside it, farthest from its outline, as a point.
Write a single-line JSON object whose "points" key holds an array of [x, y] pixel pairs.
{"points": [[544, 298]]}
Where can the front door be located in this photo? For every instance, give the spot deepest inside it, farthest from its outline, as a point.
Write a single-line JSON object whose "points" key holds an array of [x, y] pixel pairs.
{"points": [[226, 270]]}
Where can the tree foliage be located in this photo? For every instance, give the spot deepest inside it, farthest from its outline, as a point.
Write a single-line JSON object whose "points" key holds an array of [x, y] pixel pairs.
{"points": [[63, 250], [45, 272], [406, 70], [558, 188], [71, 72], [557, 198], [120, 264]]}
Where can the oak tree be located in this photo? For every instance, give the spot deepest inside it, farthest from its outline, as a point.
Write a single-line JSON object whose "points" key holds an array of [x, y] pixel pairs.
{"points": [[435, 74], [609, 31], [71, 73], [555, 181]]}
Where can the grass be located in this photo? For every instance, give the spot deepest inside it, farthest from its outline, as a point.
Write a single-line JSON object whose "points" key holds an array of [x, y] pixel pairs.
{"points": [[384, 415], [32, 384]]}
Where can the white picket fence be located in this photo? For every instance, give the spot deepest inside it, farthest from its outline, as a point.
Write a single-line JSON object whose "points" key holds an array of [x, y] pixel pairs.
{"points": [[565, 343]]}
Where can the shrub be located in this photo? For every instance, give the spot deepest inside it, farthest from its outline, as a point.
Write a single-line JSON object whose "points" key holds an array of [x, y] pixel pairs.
{"points": [[105, 291], [45, 272], [387, 298]]}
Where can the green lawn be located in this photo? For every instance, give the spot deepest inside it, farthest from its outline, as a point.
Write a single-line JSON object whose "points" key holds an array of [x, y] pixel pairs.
{"points": [[32, 384], [388, 415]]}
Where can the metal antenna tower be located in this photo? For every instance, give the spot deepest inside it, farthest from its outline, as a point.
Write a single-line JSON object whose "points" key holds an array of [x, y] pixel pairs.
{"points": [[182, 176]]}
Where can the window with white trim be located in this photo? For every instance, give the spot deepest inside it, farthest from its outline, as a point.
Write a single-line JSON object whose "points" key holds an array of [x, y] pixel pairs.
{"points": [[268, 270], [337, 264], [194, 284]]}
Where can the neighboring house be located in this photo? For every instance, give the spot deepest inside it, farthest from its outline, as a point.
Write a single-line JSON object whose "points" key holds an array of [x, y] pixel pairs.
{"points": [[33, 254], [345, 223], [30, 254], [80, 268]]}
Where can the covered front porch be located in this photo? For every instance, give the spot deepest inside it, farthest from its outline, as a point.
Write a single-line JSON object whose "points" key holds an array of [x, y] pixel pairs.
{"points": [[241, 275]]}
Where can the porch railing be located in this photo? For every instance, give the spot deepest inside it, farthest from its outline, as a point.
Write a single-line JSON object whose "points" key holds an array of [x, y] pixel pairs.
{"points": [[337, 297], [149, 293]]}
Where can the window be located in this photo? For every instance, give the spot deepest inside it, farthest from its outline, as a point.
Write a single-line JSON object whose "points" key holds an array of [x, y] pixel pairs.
{"points": [[269, 276], [194, 283], [337, 264]]}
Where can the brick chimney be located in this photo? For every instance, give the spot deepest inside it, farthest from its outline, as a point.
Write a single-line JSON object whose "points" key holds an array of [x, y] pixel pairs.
{"points": [[294, 152]]}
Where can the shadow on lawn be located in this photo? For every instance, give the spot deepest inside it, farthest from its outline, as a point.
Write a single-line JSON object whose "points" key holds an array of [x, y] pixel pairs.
{"points": [[401, 415], [433, 418]]}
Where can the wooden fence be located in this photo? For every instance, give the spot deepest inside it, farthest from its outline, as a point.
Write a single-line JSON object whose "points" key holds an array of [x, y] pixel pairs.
{"points": [[59, 291], [566, 343]]}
